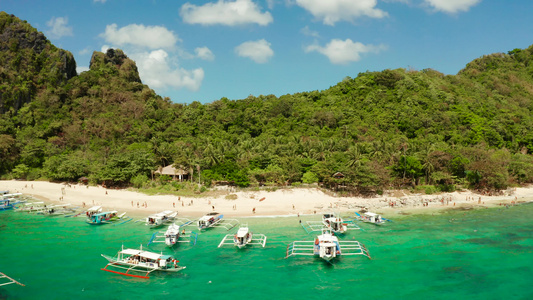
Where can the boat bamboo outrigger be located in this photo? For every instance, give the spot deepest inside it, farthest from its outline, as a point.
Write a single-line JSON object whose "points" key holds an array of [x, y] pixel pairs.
{"points": [[5, 280], [157, 220], [174, 235], [215, 219], [326, 246], [243, 237], [140, 263], [330, 221]]}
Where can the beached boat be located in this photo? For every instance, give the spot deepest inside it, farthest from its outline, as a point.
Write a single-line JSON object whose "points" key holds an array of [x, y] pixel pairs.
{"points": [[140, 263], [5, 280], [243, 237], [157, 220], [326, 246], [105, 217], [370, 217]]}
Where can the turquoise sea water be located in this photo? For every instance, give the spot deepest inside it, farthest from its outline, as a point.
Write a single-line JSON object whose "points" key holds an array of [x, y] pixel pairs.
{"points": [[477, 254]]}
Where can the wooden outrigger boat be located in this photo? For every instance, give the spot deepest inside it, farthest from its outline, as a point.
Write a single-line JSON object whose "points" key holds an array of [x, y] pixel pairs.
{"points": [[326, 246], [5, 280], [243, 237], [157, 220], [174, 235], [215, 219], [31, 207], [8, 201], [370, 217], [332, 222], [139, 263], [105, 218], [56, 210]]}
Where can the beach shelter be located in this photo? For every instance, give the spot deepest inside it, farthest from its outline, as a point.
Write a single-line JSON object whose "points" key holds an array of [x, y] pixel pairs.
{"points": [[176, 174]]}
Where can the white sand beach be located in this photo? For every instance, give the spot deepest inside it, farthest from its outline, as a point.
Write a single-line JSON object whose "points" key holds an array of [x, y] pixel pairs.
{"points": [[281, 202]]}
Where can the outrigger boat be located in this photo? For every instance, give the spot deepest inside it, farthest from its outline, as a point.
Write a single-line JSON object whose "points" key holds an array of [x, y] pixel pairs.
{"points": [[172, 235], [326, 246], [31, 207], [332, 222], [56, 210], [370, 217], [139, 263], [8, 201], [243, 237], [215, 219], [105, 218], [5, 280], [161, 218]]}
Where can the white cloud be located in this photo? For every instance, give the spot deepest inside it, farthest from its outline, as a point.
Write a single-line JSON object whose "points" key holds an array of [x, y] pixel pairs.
{"points": [[58, 28], [230, 13], [155, 71], [151, 37], [84, 51], [332, 11], [204, 53], [80, 69], [258, 51], [343, 52], [101, 1], [309, 32], [452, 6]]}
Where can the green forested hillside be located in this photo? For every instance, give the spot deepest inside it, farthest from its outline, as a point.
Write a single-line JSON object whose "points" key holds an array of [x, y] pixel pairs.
{"points": [[394, 128]]}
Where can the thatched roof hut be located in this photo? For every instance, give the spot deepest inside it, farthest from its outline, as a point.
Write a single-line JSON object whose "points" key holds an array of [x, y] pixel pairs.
{"points": [[173, 172]]}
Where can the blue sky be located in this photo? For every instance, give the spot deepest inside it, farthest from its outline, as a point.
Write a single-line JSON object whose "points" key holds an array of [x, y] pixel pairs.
{"points": [[203, 50]]}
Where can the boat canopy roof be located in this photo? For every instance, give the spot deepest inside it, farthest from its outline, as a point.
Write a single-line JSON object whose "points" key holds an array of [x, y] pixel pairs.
{"points": [[105, 213], [371, 214], [242, 232], [145, 254], [130, 251], [161, 214], [95, 208], [209, 216], [12, 195]]}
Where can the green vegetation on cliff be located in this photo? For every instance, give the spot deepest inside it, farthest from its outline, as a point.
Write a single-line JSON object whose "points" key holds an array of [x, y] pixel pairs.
{"points": [[393, 128]]}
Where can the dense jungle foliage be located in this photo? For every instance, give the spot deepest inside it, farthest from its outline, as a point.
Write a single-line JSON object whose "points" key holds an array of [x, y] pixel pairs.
{"points": [[380, 130]]}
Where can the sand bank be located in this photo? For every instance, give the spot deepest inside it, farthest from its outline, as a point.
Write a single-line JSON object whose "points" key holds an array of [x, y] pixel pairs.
{"points": [[282, 202]]}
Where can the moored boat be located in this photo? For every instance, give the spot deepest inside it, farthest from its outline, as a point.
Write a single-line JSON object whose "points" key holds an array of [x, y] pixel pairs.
{"points": [[105, 217], [243, 237], [327, 246], [161, 218], [370, 217], [334, 222], [140, 263], [8, 201], [209, 220]]}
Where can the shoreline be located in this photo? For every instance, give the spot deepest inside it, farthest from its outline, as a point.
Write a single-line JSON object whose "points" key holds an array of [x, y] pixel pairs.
{"points": [[287, 202]]}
